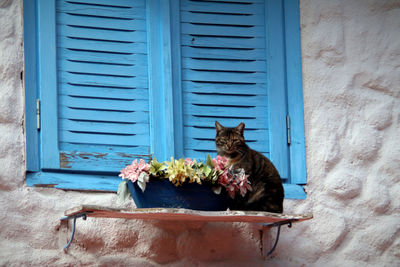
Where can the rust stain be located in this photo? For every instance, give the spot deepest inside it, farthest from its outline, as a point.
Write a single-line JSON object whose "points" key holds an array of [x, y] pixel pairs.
{"points": [[64, 161], [45, 185]]}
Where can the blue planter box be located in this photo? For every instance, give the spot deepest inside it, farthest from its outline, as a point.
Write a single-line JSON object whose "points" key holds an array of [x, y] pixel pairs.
{"points": [[163, 194]]}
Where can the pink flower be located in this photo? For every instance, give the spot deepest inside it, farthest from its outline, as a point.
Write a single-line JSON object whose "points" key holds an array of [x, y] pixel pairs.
{"points": [[220, 163], [133, 171], [189, 161]]}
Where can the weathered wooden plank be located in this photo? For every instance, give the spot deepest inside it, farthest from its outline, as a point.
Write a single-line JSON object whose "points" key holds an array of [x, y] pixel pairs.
{"points": [[224, 65], [223, 7], [167, 214], [102, 92], [117, 128], [104, 104], [226, 111], [102, 11], [212, 53], [118, 25], [225, 99], [219, 30], [101, 57], [102, 45], [102, 80], [222, 19], [101, 68], [105, 116], [223, 88]]}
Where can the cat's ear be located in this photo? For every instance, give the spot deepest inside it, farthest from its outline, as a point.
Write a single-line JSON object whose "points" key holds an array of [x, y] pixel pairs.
{"points": [[218, 127], [240, 128]]}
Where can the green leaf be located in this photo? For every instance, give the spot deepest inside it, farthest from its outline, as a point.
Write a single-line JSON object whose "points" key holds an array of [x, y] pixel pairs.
{"points": [[156, 168], [123, 192], [209, 161]]}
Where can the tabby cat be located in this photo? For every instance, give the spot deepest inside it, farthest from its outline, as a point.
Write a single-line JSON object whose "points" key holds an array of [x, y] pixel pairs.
{"points": [[267, 193]]}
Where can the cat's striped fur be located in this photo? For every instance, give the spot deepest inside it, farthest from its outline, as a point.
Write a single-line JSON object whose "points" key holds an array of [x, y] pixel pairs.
{"points": [[267, 193]]}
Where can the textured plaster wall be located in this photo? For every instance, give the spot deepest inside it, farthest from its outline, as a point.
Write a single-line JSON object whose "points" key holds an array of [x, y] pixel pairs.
{"points": [[351, 74]]}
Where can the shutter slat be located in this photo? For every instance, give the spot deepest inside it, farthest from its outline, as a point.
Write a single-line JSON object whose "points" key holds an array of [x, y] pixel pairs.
{"points": [[103, 92], [102, 34], [221, 76], [193, 52], [200, 29], [221, 41], [85, 9], [101, 57], [103, 80], [114, 3], [105, 104], [98, 68], [128, 150], [114, 24], [220, 19], [229, 111], [222, 99], [103, 139], [102, 46], [103, 115], [223, 88], [103, 127], [222, 7]]}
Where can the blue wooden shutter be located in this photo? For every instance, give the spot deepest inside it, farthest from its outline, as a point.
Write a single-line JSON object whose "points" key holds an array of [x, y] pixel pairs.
{"points": [[223, 72], [102, 91]]}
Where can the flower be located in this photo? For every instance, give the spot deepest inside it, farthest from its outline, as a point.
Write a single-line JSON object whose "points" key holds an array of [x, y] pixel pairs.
{"points": [[133, 171], [220, 163]]}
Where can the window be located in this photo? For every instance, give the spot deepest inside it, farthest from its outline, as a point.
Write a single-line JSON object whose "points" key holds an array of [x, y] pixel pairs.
{"points": [[116, 80]]}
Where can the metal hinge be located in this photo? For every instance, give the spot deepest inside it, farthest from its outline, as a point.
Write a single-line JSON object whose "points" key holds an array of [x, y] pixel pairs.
{"points": [[38, 114], [288, 135]]}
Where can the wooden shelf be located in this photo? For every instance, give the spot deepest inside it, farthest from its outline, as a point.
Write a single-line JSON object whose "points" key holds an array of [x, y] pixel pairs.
{"points": [[169, 214]]}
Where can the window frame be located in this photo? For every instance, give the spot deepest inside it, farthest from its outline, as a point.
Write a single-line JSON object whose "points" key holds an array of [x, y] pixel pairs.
{"points": [[166, 131]]}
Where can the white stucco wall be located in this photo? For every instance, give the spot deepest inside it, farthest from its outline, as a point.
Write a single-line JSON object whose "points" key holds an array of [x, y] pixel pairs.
{"points": [[351, 74]]}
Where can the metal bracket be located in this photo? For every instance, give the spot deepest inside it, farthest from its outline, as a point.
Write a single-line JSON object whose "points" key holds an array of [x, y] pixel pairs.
{"points": [[269, 225], [75, 216]]}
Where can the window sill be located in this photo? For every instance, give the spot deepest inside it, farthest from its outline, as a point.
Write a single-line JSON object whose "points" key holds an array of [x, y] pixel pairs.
{"points": [[109, 183]]}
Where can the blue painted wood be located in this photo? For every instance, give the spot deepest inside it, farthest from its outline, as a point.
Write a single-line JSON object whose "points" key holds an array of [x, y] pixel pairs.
{"points": [[163, 194], [48, 84], [74, 181], [156, 92], [231, 31], [177, 77], [167, 79], [130, 59], [104, 92], [113, 4], [30, 84], [224, 88], [294, 191], [102, 84], [221, 65], [227, 54], [276, 86], [222, 7], [295, 93], [226, 19], [224, 72]]}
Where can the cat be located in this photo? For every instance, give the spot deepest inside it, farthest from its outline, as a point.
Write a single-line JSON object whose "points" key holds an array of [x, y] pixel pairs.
{"points": [[267, 190]]}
